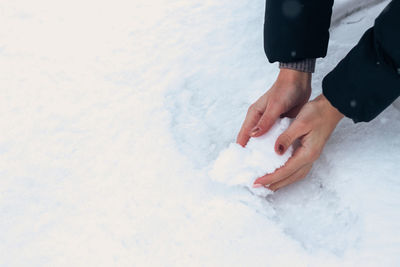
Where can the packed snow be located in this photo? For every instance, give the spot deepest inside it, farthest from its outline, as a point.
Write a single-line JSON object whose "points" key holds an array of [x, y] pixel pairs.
{"points": [[112, 114], [239, 165]]}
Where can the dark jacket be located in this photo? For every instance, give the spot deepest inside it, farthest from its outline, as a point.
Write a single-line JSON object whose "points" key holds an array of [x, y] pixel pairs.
{"points": [[366, 81]]}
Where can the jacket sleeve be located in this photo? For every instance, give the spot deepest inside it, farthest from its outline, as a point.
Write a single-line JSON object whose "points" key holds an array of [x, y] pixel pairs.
{"points": [[367, 80], [296, 29]]}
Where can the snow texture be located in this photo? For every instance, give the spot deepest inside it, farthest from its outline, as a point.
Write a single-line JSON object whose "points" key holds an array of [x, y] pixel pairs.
{"points": [[343, 8], [112, 112], [241, 166]]}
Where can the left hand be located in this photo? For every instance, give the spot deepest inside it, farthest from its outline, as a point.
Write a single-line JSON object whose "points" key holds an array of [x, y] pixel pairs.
{"points": [[313, 126]]}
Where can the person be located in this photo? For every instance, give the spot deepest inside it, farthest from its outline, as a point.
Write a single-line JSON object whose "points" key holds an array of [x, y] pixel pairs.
{"points": [[361, 86]]}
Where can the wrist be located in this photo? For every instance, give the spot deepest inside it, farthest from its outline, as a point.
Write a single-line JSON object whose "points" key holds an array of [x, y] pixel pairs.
{"points": [[294, 76], [329, 111]]}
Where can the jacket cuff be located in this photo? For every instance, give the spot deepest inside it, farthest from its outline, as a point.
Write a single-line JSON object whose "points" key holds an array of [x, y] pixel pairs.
{"points": [[305, 65]]}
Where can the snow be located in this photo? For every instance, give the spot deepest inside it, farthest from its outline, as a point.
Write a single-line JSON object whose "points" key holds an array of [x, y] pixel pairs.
{"points": [[343, 8], [241, 166], [113, 112]]}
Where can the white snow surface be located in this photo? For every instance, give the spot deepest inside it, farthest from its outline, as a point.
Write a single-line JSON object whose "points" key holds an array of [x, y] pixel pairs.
{"points": [[343, 8], [239, 165], [113, 112]]}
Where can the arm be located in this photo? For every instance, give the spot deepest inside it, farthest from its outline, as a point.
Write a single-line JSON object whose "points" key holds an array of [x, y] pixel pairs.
{"points": [[364, 83], [367, 80], [295, 30], [289, 26]]}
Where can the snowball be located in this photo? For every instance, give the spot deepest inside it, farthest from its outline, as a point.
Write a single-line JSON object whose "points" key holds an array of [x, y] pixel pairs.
{"points": [[239, 165]]}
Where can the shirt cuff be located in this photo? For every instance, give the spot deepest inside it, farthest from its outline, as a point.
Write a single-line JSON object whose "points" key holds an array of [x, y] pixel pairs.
{"points": [[305, 65]]}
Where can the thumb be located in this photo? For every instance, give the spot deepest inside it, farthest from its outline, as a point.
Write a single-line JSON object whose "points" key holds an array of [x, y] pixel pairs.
{"points": [[287, 138]]}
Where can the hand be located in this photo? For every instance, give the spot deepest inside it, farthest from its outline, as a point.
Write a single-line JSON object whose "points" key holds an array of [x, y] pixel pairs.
{"points": [[287, 96], [313, 126]]}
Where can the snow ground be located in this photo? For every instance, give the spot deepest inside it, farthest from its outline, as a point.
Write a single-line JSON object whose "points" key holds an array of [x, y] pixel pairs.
{"points": [[111, 114]]}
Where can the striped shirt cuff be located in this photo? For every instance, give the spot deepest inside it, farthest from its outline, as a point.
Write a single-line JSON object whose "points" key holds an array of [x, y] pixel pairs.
{"points": [[305, 65]]}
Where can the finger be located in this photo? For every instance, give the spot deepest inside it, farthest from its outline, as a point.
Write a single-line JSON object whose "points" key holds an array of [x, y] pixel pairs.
{"points": [[287, 138], [252, 117], [271, 114], [296, 162], [298, 175]]}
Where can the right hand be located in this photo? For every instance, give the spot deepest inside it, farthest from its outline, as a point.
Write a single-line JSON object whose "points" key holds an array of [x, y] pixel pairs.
{"points": [[290, 92], [312, 127]]}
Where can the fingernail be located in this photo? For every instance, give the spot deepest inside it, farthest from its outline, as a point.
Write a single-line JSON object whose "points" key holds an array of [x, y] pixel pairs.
{"points": [[255, 131], [281, 149], [257, 185]]}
